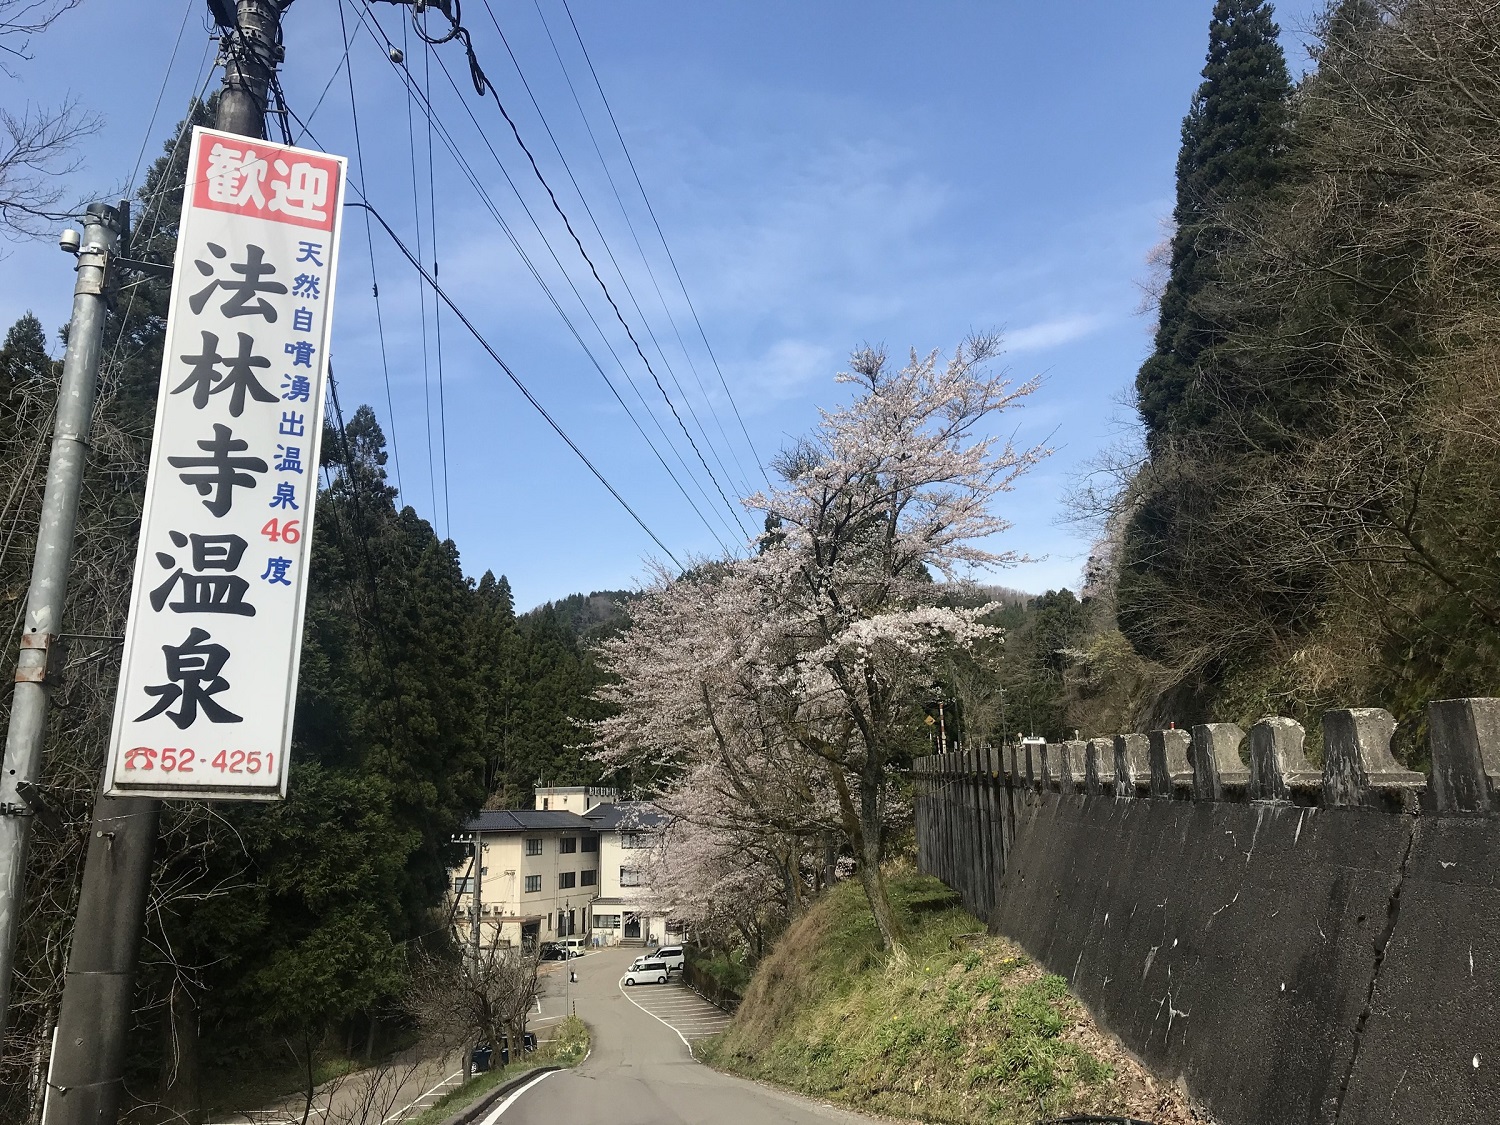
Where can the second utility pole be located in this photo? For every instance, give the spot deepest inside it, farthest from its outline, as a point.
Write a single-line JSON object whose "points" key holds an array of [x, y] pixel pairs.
{"points": [[86, 1077]]}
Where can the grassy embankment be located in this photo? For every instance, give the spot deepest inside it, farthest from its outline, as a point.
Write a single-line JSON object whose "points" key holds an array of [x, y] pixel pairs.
{"points": [[963, 1028], [567, 1048]]}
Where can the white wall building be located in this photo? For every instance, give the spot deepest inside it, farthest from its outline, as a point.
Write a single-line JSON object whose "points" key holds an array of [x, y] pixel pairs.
{"points": [[538, 875], [623, 911], [575, 866]]}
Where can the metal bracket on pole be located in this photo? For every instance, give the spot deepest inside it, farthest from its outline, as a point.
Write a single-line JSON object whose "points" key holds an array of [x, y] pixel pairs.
{"points": [[38, 668], [98, 256]]}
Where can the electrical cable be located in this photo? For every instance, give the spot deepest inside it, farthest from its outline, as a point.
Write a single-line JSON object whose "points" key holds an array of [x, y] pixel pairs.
{"points": [[514, 378], [661, 234], [317, 105], [165, 79], [609, 251], [359, 156], [153, 213], [588, 312], [608, 296], [640, 249], [437, 309], [416, 212], [461, 161], [483, 85]]}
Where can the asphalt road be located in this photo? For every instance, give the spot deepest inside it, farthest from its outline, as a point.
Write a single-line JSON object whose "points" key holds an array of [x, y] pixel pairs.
{"points": [[641, 1070]]}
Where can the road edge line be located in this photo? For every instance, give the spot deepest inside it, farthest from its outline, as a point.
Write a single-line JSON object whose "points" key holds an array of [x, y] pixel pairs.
{"points": [[481, 1105], [659, 1020], [518, 1091]]}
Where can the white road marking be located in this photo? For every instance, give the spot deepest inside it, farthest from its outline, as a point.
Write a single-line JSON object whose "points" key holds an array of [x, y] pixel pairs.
{"points": [[510, 1101], [401, 1113], [697, 1017]]}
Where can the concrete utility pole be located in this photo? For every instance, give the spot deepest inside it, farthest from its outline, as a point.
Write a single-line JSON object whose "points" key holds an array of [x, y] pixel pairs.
{"points": [[85, 1080], [478, 897], [20, 800], [250, 58]]}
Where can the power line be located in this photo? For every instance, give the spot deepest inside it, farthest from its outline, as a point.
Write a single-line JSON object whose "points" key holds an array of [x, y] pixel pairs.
{"points": [[152, 214], [514, 378], [609, 251], [662, 235], [640, 249], [416, 214], [161, 91], [483, 85], [437, 310], [588, 312], [489, 204], [608, 296], [416, 263], [359, 155]]}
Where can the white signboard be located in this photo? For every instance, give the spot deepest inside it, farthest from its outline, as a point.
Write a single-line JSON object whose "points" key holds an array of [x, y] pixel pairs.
{"points": [[209, 681]]}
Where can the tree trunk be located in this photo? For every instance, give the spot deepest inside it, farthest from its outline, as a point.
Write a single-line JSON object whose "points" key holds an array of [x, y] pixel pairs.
{"points": [[181, 1088], [870, 875], [873, 881]]}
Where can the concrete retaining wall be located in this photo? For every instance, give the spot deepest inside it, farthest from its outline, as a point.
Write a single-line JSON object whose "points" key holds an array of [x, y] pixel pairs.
{"points": [[1295, 945]]}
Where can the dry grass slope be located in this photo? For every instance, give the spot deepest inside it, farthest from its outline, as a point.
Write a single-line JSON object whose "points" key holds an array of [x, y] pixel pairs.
{"points": [[963, 1028]]}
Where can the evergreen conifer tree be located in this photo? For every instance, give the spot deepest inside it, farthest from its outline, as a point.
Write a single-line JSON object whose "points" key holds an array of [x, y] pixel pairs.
{"points": [[1233, 142]]}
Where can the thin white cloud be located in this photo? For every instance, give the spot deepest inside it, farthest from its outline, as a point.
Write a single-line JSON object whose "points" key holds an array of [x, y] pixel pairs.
{"points": [[1053, 333], [785, 370]]}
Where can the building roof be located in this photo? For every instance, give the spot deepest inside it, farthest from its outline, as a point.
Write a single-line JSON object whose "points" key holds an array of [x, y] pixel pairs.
{"points": [[527, 820], [625, 816]]}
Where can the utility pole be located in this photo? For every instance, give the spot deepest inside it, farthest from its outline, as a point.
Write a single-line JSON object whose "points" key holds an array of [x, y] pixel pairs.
{"points": [[87, 1071], [251, 54], [478, 898], [20, 799]]}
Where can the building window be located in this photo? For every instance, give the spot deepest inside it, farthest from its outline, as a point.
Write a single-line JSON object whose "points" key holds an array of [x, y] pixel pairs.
{"points": [[534, 845], [630, 877], [533, 883], [546, 804], [591, 843], [588, 878], [606, 921], [568, 845], [633, 840], [463, 885], [567, 880]]}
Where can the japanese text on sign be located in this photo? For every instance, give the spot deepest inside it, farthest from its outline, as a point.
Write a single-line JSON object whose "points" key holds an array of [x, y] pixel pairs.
{"points": [[208, 683]]}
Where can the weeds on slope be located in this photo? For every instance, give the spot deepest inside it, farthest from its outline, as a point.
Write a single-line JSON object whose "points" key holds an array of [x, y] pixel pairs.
{"points": [[960, 1027]]}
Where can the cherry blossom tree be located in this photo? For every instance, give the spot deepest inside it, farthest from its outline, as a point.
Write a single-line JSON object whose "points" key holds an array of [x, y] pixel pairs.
{"points": [[793, 678]]}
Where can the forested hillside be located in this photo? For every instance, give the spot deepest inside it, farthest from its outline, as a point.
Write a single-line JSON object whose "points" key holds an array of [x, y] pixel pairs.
{"points": [[274, 930], [1309, 520]]}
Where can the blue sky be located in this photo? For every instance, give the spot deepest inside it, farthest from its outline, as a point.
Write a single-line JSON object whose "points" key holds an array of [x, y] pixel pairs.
{"points": [[825, 174]]}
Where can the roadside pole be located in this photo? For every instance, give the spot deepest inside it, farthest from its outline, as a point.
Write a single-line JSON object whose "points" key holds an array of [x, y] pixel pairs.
{"points": [[22, 764], [85, 1080], [478, 899]]}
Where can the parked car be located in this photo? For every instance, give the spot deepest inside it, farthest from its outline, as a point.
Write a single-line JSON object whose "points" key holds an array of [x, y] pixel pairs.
{"points": [[551, 951], [649, 972], [672, 955], [573, 946], [484, 1056]]}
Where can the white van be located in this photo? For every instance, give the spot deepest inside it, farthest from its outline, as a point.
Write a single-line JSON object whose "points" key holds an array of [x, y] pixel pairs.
{"points": [[671, 956], [648, 972], [574, 946]]}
